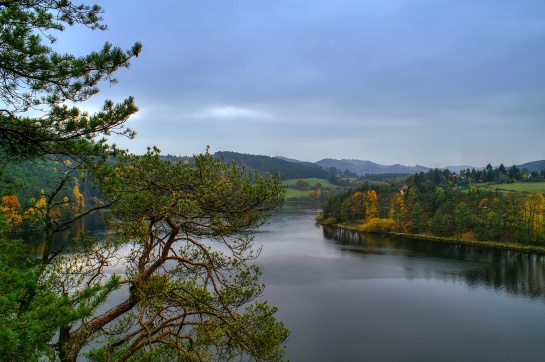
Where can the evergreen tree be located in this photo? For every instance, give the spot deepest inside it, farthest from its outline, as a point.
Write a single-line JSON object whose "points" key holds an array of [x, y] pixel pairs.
{"points": [[36, 82], [416, 219], [461, 217], [184, 299]]}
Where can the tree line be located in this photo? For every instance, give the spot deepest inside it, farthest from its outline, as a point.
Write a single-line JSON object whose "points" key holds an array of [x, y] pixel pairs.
{"points": [[444, 204], [286, 170]]}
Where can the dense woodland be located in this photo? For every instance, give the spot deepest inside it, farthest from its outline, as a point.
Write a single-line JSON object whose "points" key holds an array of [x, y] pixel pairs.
{"points": [[25, 186], [446, 204], [285, 170]]}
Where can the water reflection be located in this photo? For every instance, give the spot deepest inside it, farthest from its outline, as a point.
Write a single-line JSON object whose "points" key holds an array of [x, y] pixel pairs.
{"points": [[91, 225], [512, 272], [352, 297]]}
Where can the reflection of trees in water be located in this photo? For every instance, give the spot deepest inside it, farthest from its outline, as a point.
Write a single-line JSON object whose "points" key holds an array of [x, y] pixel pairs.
{"points": [[344, 237], [513, 272], [90, 225], [35, 240]]}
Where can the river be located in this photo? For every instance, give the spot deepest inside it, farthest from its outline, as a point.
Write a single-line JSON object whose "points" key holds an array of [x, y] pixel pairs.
{"points": [[349, 297]]}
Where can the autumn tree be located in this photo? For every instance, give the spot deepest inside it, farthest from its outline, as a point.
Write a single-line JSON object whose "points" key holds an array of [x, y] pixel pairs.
{"points": [[370, 200], [356, 206], [11, 208], [399, 211], [533, 210], [302, 185]]}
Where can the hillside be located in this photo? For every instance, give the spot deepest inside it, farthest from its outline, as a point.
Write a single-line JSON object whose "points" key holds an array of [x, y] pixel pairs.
{"points": [[361, 167], [272, 165], [536, 166], [292, 168]]}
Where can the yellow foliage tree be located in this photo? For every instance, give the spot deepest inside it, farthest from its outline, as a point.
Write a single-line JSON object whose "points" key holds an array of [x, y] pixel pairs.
{"points": [[534, 207], [11, 208], [376, 225], [356, 205], [398, 211], [79, 202], [41, 204], [370, 200]]}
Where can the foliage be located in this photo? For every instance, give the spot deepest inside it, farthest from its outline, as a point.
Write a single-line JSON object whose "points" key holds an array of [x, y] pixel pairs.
{"points": [[36, 83], [446, 204], [322, 220], [462, 218], [11, 208], [377, 225], [273, 165], [50, 189], [25, 331], [184, 231], [186, 235]]}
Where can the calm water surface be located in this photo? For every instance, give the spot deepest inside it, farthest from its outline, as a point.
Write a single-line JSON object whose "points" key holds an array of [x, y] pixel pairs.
{"points": [[348, 297]]}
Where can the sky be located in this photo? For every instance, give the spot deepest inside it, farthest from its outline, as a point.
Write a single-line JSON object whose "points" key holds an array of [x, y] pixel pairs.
{"points": [[428, 82]]}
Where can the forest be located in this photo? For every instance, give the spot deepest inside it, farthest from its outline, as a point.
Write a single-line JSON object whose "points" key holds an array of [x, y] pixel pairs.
{"points": [[446, 204], [24, 188]]}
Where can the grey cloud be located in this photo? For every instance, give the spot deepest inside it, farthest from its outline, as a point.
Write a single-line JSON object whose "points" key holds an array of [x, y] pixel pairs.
{"points": [[391, 81]]}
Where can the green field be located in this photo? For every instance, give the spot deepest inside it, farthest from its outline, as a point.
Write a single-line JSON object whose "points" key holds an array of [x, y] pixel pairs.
{"points": [[311, 181], [295, 193], [530, 187]]}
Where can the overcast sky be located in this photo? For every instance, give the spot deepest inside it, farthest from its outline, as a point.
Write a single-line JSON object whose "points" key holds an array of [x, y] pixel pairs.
{"points": [[426, 82]]}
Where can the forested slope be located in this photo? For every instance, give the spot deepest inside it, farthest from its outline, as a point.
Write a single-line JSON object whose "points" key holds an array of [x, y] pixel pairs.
{"points": [[447, 204]]}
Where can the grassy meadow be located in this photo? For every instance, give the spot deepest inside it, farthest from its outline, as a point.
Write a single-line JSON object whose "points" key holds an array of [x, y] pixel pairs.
{"points": [[291, 192], [312, 181], [530, 187]]}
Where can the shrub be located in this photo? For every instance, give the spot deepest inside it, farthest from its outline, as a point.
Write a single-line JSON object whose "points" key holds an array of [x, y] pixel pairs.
{"points": [[376, 225]]}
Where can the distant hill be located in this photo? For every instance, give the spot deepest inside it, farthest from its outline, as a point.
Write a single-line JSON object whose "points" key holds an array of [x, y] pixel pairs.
{"points": [[288, 159], [537, 166], [338, 164], [361, 167], [290, 168], [457, 169], [272, 165]]}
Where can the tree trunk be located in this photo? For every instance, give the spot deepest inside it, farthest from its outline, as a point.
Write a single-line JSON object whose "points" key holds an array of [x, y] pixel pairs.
{"points": [[71, 343]]}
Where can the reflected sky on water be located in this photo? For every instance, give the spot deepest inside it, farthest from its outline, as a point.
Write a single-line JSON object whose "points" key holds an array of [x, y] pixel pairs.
{"points": [[351, 297]]}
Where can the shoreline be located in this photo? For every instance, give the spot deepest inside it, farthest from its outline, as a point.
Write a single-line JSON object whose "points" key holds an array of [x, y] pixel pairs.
{"points": [[452, 240]]}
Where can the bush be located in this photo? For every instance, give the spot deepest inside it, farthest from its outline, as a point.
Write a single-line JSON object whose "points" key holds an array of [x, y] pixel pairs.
{"points": [[376, 225]]}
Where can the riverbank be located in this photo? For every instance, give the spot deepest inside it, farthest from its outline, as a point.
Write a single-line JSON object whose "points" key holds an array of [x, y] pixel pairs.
{"points": [[451, 240]]}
